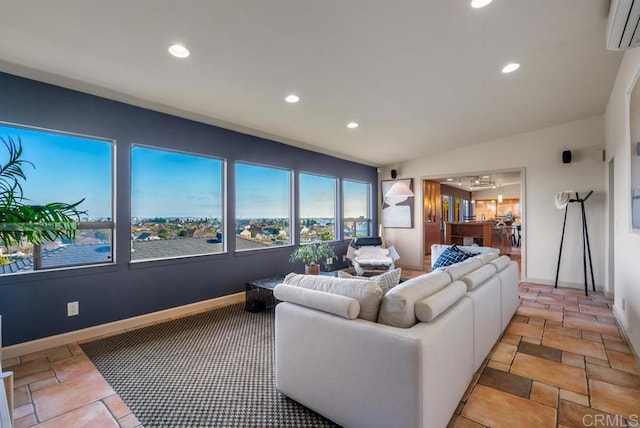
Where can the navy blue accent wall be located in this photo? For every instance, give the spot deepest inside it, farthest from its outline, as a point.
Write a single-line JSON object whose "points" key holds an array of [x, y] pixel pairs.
{"points": [[34, 305]]}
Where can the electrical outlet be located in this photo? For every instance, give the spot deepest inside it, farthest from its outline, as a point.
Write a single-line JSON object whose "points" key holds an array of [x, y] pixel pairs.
{"points": [[344, 258], [73, 309], [329, 260]]}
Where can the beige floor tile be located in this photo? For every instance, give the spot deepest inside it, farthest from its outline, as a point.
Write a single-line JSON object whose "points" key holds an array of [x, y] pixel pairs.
{"points": [[75, 349], [22, 411], [499, 409], [580, 315], [33, 378], [71, 367], [503, 352], [23, 370], [592, 336], [25, 422], [90, 416], [616, 346], [616, 377], [498, 365], [21, 396], [595, 310], [129, 421], [462, 422], [591, 326], [61, 398], [572, 359], [530, 340], [539, 313], [10, 362], [537, 321], [614, 399], [511, 339], [534, 304], [574, 397], [544, 394], [52, 354], [575, 345], [527, 330], [597, 361], [550, 372], [34, 386], [578, 416], [117, 407], [564, 331], [624, 362]]}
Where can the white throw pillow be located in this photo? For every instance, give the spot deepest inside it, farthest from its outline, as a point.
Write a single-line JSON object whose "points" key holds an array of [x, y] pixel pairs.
{"points": [[366, 292], [386, 281]]}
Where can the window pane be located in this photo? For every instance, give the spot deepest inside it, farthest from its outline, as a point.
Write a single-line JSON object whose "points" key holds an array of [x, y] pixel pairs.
{"points": [[317, 208], [356, 196], [263, 206], [65, 168], [176, 204]]}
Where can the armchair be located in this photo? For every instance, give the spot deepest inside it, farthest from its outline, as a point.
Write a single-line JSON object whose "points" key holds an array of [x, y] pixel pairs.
{"points": [[371, 255]]}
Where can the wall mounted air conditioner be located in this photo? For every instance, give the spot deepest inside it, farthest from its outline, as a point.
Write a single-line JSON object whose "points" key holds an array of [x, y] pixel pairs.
{"points": [[623, 31]]}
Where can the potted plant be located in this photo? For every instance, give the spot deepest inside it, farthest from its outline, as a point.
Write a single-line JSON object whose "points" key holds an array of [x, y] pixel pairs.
{"points": [[312, 255], [20, 221]]}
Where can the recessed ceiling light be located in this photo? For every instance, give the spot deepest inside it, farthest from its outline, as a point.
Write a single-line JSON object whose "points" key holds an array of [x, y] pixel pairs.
{"points": [[352, 125], [449, 179], [292, 98], [509, 68], [178, 51], [477, 4]]}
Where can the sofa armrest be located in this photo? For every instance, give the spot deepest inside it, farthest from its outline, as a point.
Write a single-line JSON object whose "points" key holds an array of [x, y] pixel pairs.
{"points": [[335, 304]]}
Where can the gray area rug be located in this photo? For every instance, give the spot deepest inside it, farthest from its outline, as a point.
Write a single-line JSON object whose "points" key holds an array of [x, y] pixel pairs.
{"points": [[213, 369]]}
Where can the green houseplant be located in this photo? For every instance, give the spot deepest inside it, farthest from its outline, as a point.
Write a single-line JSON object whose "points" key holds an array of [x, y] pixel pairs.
{"points": [[313, 255], [20, 221]]}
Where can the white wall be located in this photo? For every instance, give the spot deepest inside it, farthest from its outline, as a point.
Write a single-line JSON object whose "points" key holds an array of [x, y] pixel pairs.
{"points": [[627, 243], [539, 153], [511, 191]]}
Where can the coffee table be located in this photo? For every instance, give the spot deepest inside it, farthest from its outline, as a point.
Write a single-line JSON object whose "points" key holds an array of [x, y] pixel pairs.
{"points": [[259, 292]]}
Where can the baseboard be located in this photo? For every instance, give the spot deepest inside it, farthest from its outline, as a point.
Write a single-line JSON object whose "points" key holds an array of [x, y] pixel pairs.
{"points": [[625, 332], [576, 285], [118, 326]]}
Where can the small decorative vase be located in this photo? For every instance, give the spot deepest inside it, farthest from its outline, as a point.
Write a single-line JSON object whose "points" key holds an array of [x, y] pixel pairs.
{"points": [[312, 269]]}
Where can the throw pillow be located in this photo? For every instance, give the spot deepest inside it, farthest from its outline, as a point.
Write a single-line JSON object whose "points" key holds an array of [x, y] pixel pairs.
{"points": [[386, 281], [450, 256]]}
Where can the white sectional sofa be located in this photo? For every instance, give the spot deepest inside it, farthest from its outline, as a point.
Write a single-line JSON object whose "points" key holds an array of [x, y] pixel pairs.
{"points": [[402, 359]]}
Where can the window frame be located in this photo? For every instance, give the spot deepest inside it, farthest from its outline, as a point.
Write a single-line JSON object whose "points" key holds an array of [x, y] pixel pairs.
{"points": [[293, 234], [336, 217], [80, 225], [368, 220], [223, 201]]}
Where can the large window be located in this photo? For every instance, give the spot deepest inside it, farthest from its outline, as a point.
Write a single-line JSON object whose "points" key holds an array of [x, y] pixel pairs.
{"points": [[317, 208], [357, 208], [176, 204], [263, 206], [61, 168]]}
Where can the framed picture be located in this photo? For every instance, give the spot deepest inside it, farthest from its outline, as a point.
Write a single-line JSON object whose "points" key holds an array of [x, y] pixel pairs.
{"points": [[397, 211]]}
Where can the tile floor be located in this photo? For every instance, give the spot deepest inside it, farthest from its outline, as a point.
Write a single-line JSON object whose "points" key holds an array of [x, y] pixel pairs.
{"points": [[561, 362]]}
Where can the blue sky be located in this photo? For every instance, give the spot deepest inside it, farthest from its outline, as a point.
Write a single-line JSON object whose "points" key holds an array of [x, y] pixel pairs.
{"points": [[67, 169], [167, 184], [170, 184]]}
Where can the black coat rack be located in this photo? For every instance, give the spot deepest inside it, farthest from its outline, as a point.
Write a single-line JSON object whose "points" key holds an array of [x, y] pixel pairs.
{"points": [[586, 248]]}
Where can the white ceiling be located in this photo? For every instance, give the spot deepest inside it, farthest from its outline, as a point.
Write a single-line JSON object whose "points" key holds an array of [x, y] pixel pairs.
{"points": [[420, 76]]}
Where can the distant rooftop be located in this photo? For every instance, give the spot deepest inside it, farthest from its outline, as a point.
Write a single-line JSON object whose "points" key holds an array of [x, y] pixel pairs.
{"points": [[73, 255]]}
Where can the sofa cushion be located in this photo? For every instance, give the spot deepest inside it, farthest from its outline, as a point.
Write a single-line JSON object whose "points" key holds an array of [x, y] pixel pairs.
{"points": [[346, 307], [431, 307], [386, 281], [450, 256], [486, 258], [397, 308], [459, 270], [478, 276], [501, 262], [366, 292]]}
